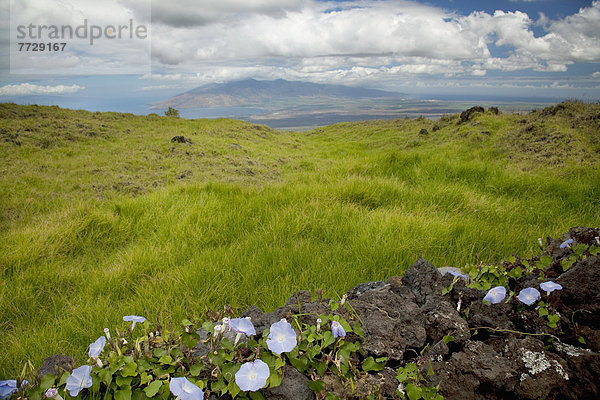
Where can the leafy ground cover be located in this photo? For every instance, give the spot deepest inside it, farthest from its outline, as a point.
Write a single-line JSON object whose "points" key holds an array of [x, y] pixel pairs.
{"points": [[103, 215]]}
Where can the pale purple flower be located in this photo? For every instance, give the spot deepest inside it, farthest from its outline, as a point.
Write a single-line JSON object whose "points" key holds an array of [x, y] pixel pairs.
{"points": [[456, 273], [550, 286], [80, 379], [52, 393], [529, 295], [97, 347], [183, 389], [566, 243], [7, 388], [133, 319], [337, 329], [242, 325], [495, 295], [252, 376], [282, 337]]}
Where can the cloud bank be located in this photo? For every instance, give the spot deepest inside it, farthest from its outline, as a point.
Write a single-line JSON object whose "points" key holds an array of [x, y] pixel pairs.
{"points": [[24, 89], [363, 40]]}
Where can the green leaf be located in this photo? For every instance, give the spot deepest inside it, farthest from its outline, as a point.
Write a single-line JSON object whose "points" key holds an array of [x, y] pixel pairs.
{"points": [[166, 359], [153, 388], [233, 389], [369, 364], [257, 395], [316, 386], [328, 339], [196, 369], [448, 338], [63, 378], [274, 379], [129, 370], [546, 260], [105, 376], [430, 371], [138, 394], [413, 392], [552, 320], [190, 340], [159, 352], [321, 368], [516, 273], [217, 386], [47, 382], [581, 340], [226, 344], [123, 382], [299, 363], [542, 312], [401, 375], [331, 396], [123, 394], [333, 304], [594, 250], [358, 330], [229, 371], [579, 249]]}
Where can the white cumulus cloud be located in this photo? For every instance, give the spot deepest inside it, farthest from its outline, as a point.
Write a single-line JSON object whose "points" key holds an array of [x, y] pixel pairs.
{"points": [[30, 89]]}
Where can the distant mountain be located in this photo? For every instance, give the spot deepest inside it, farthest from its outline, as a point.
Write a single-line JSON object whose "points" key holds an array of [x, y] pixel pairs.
{"points": [[252, 92]]}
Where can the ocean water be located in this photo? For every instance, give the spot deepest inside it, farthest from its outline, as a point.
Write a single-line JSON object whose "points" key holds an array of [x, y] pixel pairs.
{"points": [[300, 118]]}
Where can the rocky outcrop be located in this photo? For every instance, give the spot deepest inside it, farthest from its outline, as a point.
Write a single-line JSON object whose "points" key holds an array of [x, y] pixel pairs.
{"points": [[503, 350]]}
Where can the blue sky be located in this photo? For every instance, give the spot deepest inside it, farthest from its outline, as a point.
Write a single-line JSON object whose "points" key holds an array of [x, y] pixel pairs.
{"points": [[510, 48]]}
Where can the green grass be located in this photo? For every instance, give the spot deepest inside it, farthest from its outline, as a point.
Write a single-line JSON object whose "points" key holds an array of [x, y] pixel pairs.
{"points": [[103, 216]]}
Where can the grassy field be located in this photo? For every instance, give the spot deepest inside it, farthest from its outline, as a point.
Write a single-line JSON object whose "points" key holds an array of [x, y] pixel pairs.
{"points": [[102, 215]]}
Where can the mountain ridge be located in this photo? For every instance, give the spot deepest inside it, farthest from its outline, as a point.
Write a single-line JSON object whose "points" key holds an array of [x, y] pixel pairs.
{"points": [[248, 92]]}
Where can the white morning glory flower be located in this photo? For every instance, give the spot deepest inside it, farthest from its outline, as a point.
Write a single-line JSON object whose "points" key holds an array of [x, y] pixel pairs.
{"points": [[183, 389], [97, 347], [252, 376], [7, 388], [529, 295], [133, 319], [242, 325], [337, 329], [550, 287], [495, 295], [566, 243], [80, 379], [282, 337]]}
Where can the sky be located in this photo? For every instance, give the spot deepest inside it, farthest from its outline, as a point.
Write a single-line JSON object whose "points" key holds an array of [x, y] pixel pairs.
{"points": [[434, 48]]}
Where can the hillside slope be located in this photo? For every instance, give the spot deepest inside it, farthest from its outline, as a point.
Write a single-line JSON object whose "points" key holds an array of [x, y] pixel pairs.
{"points": [[103, 215]]}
